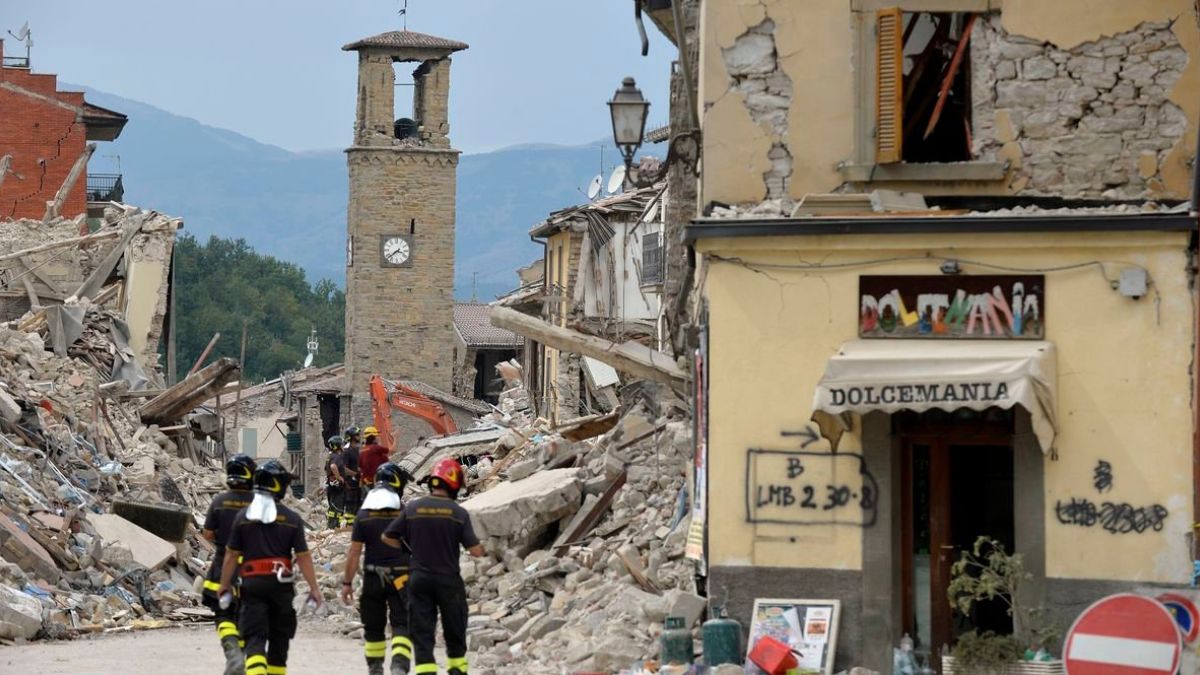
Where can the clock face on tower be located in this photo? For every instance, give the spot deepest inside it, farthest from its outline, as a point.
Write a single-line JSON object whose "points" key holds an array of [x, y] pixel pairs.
{"points": [[396, 250]]}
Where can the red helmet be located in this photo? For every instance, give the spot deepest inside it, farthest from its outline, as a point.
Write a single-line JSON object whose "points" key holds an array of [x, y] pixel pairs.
{"points": [[449, 473]]}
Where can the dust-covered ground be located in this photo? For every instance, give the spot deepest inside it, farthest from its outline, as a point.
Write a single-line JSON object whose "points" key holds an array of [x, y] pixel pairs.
{"points": [[191, 650]]}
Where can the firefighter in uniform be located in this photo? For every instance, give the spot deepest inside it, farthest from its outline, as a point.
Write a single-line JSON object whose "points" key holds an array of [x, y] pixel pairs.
{"points": [[239, 476], [266, 535], [372, 457], [433, 528], [335, 487], [350, 455], [385, 574]]}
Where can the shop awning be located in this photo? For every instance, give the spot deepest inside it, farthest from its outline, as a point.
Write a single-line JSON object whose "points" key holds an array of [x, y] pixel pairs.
{"points": [[917, 375]]}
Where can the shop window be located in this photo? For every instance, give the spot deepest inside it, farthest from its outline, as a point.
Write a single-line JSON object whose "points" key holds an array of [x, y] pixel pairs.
{"points": [[923, 86]]}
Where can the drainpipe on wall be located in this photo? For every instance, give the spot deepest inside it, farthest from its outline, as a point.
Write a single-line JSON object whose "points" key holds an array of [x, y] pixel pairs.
{"points": [[1194, 210]]}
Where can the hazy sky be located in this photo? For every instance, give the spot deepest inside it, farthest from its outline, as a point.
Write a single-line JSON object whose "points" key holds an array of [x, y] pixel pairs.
{"points": [[537, 70]]}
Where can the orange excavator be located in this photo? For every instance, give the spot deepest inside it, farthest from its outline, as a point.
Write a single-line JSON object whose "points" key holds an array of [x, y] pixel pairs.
{"points": [[409, 401]]}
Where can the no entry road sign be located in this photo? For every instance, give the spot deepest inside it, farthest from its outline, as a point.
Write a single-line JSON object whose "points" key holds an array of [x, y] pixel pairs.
{"points": [[1123, 634]]}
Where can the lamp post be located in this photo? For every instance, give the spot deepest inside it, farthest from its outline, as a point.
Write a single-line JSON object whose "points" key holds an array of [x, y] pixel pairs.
{"points": [[628, 109]]}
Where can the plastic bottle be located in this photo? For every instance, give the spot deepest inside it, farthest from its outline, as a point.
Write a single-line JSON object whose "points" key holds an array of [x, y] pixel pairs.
{"points": [[225, 600], [908, 659]]}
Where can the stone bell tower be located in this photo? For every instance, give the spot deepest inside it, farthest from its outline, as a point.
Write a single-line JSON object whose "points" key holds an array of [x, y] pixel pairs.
{"points": [[400, 220]]}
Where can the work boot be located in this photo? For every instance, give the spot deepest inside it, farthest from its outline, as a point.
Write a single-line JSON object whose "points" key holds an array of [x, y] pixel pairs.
{"points": [[374, 665], [235, 663], [399, 665]]}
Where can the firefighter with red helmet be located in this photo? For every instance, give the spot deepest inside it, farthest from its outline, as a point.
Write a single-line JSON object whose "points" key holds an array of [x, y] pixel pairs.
{"points": [[433, 528], [265, 546], [218, 523]]}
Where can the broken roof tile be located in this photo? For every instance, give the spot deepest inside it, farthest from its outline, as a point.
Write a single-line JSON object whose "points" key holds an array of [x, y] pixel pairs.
{"points": [[476, 329]]}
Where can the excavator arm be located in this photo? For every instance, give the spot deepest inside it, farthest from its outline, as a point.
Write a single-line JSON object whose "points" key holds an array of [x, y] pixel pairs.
{"points": [[408, 401]]}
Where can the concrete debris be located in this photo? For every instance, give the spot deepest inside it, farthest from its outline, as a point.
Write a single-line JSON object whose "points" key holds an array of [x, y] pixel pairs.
{"points": [[560, 519], [72, 442], [145, 549], [20, 614], [515, 514]]}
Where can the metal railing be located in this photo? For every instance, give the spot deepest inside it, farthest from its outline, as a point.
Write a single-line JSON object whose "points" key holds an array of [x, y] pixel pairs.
{"points": [[105, 187], [16, 62]]}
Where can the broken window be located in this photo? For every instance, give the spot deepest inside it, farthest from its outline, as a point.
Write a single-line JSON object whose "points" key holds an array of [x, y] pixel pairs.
{"points": [[652, 258], [923, 86]]}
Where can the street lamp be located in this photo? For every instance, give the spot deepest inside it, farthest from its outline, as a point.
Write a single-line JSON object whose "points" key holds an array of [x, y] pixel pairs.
{"points": [[628, 110]]}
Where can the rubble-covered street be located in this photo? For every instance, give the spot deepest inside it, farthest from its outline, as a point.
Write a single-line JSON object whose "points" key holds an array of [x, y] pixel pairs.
{"points": [[188, 650]]}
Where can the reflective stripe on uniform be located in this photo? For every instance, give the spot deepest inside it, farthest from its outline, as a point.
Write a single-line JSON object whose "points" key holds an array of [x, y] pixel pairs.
{"points": [[375, 650], [402, 646], [276, 670], [227, 629], [459, 662], [420, 668], [256, 664], [213, 586]]}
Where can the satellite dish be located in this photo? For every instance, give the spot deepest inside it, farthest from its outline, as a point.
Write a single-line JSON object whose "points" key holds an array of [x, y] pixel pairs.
{"points": [[23, 33], [616, 182], [594, 186], [308, 360]]}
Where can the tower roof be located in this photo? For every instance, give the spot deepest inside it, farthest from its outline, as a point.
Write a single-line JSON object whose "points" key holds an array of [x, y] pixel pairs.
{"points": [[406, 39]]}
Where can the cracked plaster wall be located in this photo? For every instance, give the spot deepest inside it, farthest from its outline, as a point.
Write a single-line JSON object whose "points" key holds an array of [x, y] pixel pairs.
{"points": [[746, 132], [763, 65]]}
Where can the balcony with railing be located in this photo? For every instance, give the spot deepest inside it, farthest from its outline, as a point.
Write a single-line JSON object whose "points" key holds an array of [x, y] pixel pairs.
{"points": [[105, 187]]}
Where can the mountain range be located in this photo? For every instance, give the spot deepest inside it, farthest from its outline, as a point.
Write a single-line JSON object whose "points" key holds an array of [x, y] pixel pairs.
{"points": [[292, 205]]}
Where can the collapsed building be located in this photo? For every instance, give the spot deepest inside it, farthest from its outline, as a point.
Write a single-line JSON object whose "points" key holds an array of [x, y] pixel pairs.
{"points": [[103, 465]]}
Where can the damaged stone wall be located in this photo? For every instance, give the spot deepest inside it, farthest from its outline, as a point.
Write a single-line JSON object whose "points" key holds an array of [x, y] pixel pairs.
{"points": [[464, 369], [753, 64], [54, 274], [679, 202], [1091, 121], [1101, 97], [148, 273]]}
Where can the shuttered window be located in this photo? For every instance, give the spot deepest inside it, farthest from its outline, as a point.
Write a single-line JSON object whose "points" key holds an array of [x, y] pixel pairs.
{"points": [[652, 258], [889, 80]]}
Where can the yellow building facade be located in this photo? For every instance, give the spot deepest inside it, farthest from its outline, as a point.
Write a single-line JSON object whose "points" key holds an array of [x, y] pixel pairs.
{"points": [[886, 384]]}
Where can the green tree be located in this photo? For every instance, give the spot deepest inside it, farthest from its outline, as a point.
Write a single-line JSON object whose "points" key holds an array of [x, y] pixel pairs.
{"points": [[224, 282]]}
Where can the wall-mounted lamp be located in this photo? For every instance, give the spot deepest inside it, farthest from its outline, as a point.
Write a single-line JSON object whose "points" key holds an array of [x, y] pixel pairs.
{"points": [[629, 110]]}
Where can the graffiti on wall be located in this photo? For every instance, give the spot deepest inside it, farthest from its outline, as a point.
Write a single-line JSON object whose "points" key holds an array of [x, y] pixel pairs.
{"points": [[1111, 516], [803, 487], [952, 306]]}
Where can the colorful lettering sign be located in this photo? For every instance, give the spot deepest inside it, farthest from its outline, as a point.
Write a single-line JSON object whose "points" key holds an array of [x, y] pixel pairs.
{"points": [[952, 306]]}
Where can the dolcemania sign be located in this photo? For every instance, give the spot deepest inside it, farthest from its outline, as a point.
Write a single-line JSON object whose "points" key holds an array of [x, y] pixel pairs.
{"points": [[955, 392]]}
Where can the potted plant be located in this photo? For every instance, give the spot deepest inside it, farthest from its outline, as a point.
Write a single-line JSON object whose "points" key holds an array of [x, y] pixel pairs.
{"points": [[988, 572]]}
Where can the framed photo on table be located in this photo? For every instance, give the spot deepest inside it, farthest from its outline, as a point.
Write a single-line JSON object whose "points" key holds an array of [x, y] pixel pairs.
{"points": [[810, 627]]}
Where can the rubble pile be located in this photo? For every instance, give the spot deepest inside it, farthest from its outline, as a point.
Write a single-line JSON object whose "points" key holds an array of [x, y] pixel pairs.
{"points": [[587, 560], [584, 527], [78, 467]]}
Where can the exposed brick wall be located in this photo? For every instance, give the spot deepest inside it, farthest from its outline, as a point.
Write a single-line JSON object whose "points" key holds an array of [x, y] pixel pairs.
{"points": [[44, 140]]}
